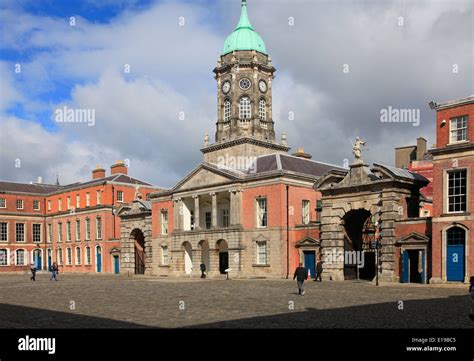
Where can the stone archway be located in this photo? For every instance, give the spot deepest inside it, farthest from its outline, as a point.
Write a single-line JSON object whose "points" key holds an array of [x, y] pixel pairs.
{"points": [[139, 250], [223, 250], [205, 254], [188, 257]]}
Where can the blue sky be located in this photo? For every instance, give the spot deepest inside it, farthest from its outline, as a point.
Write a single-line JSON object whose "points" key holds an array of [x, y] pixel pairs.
{"points": [[171, 72]]}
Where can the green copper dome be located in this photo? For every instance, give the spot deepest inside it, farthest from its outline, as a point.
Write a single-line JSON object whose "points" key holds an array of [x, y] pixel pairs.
{"points": [[244, 36]]}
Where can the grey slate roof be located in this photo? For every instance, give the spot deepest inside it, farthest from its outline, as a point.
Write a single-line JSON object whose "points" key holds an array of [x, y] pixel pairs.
{"points": [[403, 173], [290, 163], [37, 188]]}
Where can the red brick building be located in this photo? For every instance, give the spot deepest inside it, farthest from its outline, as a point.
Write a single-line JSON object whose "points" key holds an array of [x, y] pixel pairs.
{"points": [[74, 225], [453, 184]]}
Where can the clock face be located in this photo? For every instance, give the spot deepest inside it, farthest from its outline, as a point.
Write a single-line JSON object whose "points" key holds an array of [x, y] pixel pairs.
{"points": [[226, 87], [245, 84], [262, 86]]}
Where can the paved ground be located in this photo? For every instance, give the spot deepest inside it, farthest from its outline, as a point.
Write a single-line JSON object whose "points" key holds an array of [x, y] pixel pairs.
{"points": [[84, 301]]}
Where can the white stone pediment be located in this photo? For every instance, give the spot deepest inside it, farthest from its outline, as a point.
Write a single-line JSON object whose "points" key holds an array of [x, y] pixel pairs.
{"points": [[203, 177]]}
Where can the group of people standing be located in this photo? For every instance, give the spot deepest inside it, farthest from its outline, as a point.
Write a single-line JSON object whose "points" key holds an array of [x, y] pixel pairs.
{"points": [[53, 269]]}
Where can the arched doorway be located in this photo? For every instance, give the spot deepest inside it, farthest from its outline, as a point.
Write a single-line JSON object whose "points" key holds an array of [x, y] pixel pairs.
{"points": [[223, 249], [37, 259], [98, 259], [359, 234], [205, 257], [139, 246], [188, 258], [455, 254]]}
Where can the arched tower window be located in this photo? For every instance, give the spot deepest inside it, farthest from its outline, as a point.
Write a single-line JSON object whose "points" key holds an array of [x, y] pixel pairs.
{"points": [[245, 108], [227, 110], [262, 110]]}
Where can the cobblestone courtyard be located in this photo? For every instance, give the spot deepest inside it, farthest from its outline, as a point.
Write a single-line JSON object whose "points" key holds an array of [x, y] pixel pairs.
{"points": [[84, 301]]}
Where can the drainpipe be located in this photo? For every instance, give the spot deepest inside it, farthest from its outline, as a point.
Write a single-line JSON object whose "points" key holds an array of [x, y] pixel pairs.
{"points": [[113, 209], [45, 235], [287, 232]]}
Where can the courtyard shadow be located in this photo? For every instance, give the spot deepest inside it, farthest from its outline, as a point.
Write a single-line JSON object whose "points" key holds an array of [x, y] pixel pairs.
{"points": [[13, 316], [450, 312]]}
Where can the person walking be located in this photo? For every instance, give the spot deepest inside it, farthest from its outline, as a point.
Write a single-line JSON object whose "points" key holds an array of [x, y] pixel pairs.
{"points": [[300, 275], [33, 272], [203, 270], [54, 271], [319, 270]]}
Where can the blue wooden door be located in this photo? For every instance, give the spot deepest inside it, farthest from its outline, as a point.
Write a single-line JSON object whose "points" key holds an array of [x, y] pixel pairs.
{"points": [[309, 263], [49, 259], [455, 263], [405, 267], [116, 265], [99, 260], [37, 259]]}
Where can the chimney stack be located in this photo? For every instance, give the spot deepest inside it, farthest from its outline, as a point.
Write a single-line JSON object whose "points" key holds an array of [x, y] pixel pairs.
{"points": [[420, 148], [119, 168], [98, 172]]}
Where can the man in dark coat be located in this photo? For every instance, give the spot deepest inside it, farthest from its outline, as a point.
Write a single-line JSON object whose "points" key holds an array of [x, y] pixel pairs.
{"points": [[319, 270], [203, 270], [301, 276]]}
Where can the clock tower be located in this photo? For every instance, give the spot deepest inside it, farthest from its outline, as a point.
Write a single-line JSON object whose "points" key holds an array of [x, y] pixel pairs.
{"points": [[244, 76]]}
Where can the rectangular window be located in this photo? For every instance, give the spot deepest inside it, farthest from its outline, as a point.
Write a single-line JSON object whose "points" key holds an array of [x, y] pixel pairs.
{"points": [[225, 218], [319, 209], [59, 256], [20, 232], [49, 205], [60, 204], [164, 223], [261, 212], [119, 196], [164, 256], [98, 197], [68, 256], [37, 233], [68, 231], [3, 232], [78, 230], [208, 220], [78, 255], [36, 205], [458, 129], [60, 232], [262, 252], [88, 255], [78, 201], [305, 212], [3, 257], [20, 257], [88, 229], [50, 233], [88, 199], [68, 202], [3, 203], [457, 191], [19, 204], [98, 225]]}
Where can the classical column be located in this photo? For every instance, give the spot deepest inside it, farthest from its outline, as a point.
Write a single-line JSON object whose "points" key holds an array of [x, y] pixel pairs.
{"points": [[237, 208], [214, 210], [175, 214], [232, 207], [197, 224], [180, 214]]}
